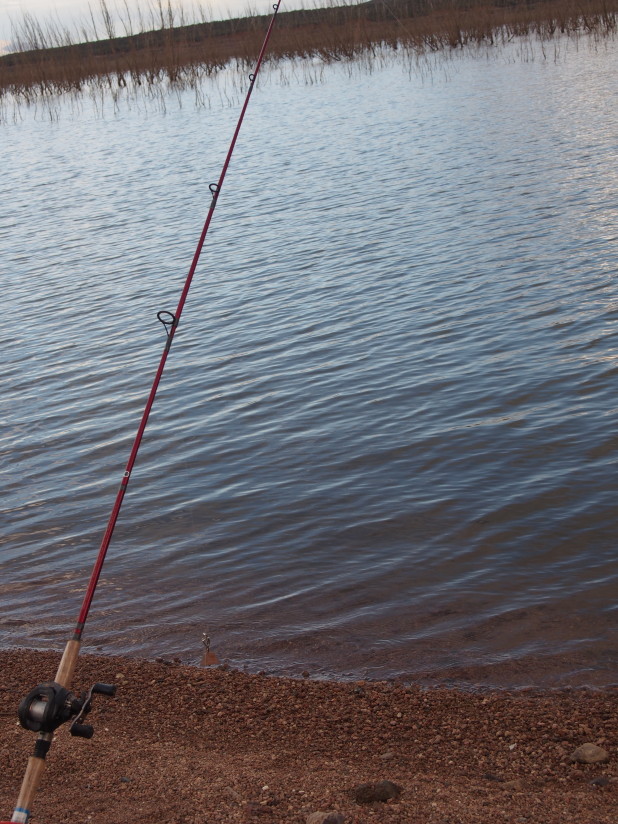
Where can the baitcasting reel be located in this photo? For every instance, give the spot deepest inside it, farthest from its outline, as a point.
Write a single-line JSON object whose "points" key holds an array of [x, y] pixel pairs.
{"points": [[49, 705]]}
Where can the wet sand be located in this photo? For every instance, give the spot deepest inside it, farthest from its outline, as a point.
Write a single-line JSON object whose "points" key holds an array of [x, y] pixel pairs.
{"points": [[187, 745]]}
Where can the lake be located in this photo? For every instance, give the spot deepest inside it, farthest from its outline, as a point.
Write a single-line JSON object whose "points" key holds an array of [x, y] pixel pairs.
{"points": [[385, 442]]}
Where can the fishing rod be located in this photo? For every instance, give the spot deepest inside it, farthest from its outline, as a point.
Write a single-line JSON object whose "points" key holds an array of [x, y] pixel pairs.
{"points": [[51, 704]]}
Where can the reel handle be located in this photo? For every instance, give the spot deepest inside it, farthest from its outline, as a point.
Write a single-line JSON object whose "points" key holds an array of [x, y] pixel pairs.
{"points": [[103, 689]]}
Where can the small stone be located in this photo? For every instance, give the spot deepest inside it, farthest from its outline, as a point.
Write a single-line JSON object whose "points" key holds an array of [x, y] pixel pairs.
{"points": [[514, 785], [380, 791], [492, 777], [601, 781], [126, 780], [325, 818], [590, 754], [231, 793], [254, 809], [306, 674], [387, 756]]}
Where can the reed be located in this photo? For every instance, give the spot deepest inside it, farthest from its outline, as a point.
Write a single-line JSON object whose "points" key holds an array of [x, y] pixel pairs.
{"points": [[174, 51]]}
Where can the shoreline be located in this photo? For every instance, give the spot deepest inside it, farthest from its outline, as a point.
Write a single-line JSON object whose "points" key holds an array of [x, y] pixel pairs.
{"points": [[481, 655], [191, 745]]}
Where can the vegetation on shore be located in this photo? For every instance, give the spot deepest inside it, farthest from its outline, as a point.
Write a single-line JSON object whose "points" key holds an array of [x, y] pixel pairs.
{"points": [[179, 53]]}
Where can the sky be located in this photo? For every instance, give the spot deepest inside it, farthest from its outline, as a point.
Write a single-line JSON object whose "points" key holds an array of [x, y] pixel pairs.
{"points": [[71, 12]]}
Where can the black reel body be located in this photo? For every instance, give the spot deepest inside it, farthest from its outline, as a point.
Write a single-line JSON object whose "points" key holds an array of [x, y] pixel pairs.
{"points": [[49, 705]]}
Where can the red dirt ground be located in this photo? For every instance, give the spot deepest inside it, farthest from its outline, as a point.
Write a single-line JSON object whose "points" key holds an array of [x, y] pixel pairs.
{"points": [[184, 745]]}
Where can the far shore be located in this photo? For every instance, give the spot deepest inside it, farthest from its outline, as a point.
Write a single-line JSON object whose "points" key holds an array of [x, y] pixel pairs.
{"points": [[182, 54]]}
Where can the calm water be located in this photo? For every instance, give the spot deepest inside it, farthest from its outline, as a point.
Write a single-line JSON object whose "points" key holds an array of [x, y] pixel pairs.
{"points": [[385, 442]]}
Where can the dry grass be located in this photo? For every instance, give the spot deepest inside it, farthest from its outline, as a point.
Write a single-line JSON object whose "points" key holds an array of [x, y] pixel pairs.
{"points": [[179, 54]]}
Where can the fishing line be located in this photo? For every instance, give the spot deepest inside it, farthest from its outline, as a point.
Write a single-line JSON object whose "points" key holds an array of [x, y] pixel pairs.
{"points": [[51, 704]]}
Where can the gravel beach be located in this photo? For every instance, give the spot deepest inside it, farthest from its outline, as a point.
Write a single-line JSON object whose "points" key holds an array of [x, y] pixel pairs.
{"points": [[189, 745]]}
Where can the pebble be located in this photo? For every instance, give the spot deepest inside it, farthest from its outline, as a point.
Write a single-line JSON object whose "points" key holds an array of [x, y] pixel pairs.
{"points": [[601, 781], [231, 793], [492, 777], [380, 791], [589, 754], [325, 818], [254, 808]]}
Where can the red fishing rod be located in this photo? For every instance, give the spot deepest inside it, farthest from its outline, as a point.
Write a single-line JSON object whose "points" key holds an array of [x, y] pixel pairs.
{"points": [[51, 704]]}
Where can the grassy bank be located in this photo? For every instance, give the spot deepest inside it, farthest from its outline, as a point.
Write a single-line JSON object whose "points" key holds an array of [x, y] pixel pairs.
{"points": [[180, 54]]}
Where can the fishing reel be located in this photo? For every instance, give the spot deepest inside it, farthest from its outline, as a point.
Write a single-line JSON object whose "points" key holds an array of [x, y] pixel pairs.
{"points": [[49, 705]]}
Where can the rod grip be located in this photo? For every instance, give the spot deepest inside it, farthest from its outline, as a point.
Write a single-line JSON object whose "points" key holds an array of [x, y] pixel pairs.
{"points": [[66, 668], [32, 779]]}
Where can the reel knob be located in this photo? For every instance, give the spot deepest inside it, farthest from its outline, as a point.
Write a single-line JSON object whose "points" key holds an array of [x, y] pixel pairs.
{"points": [[104, 689], [82, 730]]}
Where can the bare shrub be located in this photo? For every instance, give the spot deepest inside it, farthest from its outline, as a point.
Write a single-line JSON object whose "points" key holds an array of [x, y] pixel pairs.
{"points": [[175, 49]]}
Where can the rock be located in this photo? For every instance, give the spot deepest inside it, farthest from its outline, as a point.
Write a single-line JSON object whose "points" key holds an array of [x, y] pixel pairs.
{"points": [[492, 777], [514, 785], [387, 756], [325, 818], [601, 781], [590, 754], [255, 809], [231, 793], [380, 791]]}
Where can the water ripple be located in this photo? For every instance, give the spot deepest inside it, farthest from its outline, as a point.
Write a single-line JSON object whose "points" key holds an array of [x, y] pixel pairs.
{"points": [[385, 440]]}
